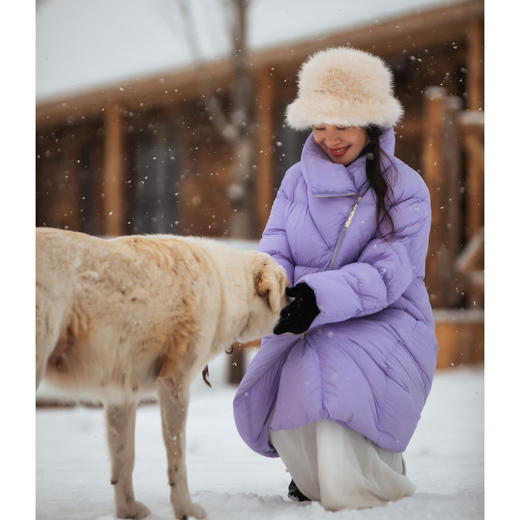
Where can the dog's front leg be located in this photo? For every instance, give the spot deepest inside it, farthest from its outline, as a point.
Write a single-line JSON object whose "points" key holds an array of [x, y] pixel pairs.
{"points": [[174, 407], [121, 432]]}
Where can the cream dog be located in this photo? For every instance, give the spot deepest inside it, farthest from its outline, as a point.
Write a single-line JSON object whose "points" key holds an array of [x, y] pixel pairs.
{"points": [[119, 317]]}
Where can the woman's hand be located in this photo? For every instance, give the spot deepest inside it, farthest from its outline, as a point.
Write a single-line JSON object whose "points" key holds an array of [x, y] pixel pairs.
{"points": [[299, 314]]}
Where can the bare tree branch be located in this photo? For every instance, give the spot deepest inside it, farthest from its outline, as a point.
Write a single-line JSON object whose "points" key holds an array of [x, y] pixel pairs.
{"points": [[239, 55], [226, 128], [239, 130]]}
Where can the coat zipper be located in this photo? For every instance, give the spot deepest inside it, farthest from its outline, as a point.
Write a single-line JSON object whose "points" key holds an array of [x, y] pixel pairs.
{"points": [[345, 227]]}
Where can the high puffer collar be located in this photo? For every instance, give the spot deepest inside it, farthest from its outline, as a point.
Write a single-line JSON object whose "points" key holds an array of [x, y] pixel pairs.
{"points": [[325, 178]]}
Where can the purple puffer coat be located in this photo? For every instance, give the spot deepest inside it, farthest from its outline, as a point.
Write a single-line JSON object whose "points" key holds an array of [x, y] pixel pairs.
{"points": [[368, 358]]}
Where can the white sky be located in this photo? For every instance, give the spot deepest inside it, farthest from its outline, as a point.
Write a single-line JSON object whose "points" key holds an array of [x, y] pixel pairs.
{"points": [[83, 44]]}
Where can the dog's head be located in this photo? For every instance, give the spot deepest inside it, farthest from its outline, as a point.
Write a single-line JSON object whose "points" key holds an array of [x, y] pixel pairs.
{"points": [[269, 281]]}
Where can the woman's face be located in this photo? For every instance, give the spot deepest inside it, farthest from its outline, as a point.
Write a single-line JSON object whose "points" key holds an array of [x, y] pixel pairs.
{"points": [[342, 144]]}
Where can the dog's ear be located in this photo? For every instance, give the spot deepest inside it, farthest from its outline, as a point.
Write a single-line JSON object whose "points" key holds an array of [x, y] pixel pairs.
{"points": [[270, 283]]}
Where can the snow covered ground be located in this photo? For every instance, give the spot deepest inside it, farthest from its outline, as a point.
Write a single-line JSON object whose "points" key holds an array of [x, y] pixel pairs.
{"points": [[445, 460]]}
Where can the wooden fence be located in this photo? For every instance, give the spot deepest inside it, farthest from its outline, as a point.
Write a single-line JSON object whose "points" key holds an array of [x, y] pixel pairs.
{"points": [[453, 168]]}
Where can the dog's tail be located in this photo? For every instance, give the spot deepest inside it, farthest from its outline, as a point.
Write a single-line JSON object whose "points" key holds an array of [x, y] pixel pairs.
{"points": [[205, 375]]}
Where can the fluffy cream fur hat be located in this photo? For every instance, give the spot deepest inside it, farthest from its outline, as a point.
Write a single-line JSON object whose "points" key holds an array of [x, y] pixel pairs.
{"points": [[344, 86]]}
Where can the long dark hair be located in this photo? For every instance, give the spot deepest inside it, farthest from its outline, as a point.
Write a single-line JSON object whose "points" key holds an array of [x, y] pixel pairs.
{"points": [[376, 179]]}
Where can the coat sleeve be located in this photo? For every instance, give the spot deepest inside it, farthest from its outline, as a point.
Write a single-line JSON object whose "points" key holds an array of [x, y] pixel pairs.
{"points": [[274, 238], [383, 270]]}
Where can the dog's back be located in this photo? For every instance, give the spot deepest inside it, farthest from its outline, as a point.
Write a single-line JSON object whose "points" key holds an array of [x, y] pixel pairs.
{"points": [[113, 314]]}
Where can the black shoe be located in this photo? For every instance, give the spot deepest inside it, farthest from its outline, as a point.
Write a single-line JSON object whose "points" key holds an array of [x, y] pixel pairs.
{"points": [[295, 494]]}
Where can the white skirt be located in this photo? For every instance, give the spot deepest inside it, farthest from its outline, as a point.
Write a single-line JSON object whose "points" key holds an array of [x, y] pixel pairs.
{"points": [[339, 467]]}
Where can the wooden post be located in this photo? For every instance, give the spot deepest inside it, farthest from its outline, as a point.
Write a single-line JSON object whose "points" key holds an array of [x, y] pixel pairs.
{"points": [[475, 183], [473, 127], [68, 207], [112, 172], [452, 210], [434, 174], [264, 173], [475, 43], [472, 123]]}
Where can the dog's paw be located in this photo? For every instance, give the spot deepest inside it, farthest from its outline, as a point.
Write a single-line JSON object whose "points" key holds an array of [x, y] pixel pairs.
{"points": [[190, 511], [135, 510]]}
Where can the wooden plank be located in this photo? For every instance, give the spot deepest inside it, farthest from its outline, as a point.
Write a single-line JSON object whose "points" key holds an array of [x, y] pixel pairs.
{"points": [[266, 131], [112, 172], [410, 127], [452, 209], [434, 175], [472, 121], [472, 124], [64, 176], [460, 335], [475, 43], [471, 257], [474, 183]]}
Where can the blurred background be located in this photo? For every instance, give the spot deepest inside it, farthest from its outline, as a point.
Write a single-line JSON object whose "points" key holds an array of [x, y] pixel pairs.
{"points": [[167, 116]]}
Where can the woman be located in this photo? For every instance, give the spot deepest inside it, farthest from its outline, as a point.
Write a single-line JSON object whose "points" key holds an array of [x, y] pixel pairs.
{"points": [[338, 390]]}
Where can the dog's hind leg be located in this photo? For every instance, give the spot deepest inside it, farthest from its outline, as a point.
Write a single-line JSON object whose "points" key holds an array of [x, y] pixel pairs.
{"points": [[48, 323], [174, 408], [120, 420]]}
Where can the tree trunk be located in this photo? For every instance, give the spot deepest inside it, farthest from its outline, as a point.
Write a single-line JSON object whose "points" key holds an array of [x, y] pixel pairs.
{"points": [[241, 190]]}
